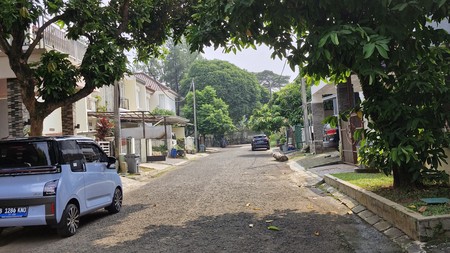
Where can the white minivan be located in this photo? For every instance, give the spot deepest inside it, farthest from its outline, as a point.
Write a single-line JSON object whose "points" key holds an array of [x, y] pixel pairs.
{"points": [[55, 180]]}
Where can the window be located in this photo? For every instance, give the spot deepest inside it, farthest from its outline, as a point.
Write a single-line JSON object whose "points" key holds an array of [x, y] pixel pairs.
{"points": [[92, 153], [162, 101], [71, 154], [24, 154]]}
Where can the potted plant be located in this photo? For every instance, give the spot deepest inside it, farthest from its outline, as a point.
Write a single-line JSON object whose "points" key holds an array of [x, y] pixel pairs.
{"points": [[159, 153], [104, 128]]}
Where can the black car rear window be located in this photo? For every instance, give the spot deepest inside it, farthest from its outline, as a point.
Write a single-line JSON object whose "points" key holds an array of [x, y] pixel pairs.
{"points": [[24, 155], [259, 137]]}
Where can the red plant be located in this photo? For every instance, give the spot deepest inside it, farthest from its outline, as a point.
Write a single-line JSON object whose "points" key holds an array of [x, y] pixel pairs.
{"points": [[104, 129]]}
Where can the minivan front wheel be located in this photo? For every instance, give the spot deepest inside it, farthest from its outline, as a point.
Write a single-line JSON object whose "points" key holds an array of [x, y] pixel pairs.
{"points": [[116, 203], [70, 221]]}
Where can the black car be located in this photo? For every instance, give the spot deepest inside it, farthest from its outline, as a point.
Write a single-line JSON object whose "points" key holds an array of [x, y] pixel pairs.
{"points": [[260, 141]]}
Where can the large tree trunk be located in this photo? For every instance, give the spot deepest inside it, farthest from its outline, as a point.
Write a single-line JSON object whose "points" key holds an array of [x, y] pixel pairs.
{"points": [[37, 125], [402, 179]]}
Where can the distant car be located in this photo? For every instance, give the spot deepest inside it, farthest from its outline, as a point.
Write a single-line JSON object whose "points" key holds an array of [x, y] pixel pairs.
{"points": [[260, 141], [55, 180]]}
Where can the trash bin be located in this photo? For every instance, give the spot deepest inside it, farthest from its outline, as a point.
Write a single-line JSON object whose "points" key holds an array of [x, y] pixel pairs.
{"points": [[202, 147], [173, 153], [132, 163]]}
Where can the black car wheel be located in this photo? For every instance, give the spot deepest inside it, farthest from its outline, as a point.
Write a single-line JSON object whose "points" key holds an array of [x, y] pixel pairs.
{"points": [[116, 203], [70, 221]]}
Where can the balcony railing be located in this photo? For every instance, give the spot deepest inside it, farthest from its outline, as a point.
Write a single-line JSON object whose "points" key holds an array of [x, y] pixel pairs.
{"points": [[54, 38]]}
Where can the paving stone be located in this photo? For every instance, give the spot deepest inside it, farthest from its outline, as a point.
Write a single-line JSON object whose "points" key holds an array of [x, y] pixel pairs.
{"points": [[372, 219], [349, 202], [393, 233], [365, 214], [358, 209], [382, 225]]}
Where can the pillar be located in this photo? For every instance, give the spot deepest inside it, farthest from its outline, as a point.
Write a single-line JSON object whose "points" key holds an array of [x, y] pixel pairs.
{"points": [[17, 113], [317, 125], [68, 119]]}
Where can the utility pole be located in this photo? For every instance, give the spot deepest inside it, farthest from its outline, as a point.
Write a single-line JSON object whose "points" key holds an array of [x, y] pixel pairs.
{"points": [[117, 137], [305, 111], [195, 118]]}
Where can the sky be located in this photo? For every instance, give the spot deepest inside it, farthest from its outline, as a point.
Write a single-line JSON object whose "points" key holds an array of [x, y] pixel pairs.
{"points": [[252, 60]]}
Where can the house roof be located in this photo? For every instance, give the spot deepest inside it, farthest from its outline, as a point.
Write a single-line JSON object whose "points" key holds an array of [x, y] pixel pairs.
{"points": [[139, 116], [153, 84]]}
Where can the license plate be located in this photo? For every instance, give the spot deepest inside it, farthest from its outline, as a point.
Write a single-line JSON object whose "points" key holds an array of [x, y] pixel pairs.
{"points": [[13, 212]]}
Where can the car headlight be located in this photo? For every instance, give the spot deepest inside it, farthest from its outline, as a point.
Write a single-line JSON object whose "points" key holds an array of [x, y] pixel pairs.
{"points": [[50, 188]]}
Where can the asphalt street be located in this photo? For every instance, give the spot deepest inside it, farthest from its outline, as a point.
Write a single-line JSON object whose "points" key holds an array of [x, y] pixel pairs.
{"points": [[235, 200]]}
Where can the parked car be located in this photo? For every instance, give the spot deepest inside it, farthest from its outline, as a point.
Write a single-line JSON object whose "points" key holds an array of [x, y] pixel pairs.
{"points": [[55, 180], [260, 141], [330, 137]]}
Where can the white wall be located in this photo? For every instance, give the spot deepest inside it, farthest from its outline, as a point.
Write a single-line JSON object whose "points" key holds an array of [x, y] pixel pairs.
{"points": [[53, 124]]}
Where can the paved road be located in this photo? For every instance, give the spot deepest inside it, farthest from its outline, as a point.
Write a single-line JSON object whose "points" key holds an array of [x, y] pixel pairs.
{"points": [[224, 202]]}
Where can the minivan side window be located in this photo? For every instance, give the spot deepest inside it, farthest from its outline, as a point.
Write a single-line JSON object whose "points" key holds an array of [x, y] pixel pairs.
{"points": [[71, 154], [92, 153]]}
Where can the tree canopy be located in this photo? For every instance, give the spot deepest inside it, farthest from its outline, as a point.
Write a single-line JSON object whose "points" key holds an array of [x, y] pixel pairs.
{"points": [[107, 29], [238, 88], [271, 80], [288, 102], [284, 109], [212, 112], [395, 47]]}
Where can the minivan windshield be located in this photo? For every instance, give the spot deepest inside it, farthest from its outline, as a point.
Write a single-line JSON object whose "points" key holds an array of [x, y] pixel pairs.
{"points": [[24, 155]]}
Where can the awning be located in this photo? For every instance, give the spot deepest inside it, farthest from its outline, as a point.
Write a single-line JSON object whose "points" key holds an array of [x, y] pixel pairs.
{"points": [[142, 116]]}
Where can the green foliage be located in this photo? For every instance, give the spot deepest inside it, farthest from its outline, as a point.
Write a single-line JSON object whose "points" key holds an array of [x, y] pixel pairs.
{"points": [[400, 59], [267, 119], [212, 112], [57, 76], [162, 112], [238, 88], [177, 63], [289, 103]]}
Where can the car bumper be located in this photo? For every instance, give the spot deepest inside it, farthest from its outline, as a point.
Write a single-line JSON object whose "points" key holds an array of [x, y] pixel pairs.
{"points": [[41, 211]]}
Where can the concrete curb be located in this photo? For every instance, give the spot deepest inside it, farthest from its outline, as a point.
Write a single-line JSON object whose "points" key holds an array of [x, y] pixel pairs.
{"points": [[375, 210]]}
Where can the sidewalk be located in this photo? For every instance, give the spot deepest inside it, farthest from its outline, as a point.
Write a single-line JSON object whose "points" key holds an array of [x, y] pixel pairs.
{"points": [[316, 166], [151, 170]]}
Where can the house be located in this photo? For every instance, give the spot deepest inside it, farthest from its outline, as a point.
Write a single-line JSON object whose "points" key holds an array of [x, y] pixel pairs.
{"points": [[139, 96], [328, 100]]}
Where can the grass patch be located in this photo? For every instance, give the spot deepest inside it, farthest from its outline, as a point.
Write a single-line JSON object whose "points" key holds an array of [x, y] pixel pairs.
{"points": [[368, 181], [381, 184]]}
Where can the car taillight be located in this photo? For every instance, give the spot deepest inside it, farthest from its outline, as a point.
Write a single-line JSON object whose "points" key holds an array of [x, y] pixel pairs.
{"points": [[50, 188]]}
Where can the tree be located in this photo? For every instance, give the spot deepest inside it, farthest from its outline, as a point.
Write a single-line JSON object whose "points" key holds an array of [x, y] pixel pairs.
{"points": [[267, 119], [288, 102], [212, 112], [238, 88], [108, 28], [400, 58], [177, 64], [271, 80]]}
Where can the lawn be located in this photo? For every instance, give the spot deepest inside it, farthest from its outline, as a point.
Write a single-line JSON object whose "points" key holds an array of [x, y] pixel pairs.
{"points": [[381, 184]]}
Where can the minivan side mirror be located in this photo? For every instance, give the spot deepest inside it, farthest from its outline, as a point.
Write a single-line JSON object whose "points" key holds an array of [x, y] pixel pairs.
{"points": [[111, 160]]}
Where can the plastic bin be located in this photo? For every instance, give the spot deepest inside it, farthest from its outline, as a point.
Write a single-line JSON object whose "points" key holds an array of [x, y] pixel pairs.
{"points": [[132, 163], [173, 153]]}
